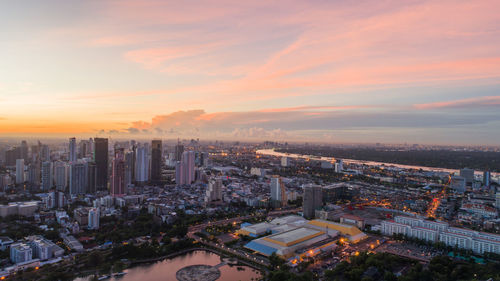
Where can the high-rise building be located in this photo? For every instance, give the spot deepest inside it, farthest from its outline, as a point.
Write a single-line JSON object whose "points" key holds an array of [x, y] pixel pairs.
{"points": [[24, 151], [312, 200], [118, 174], [285, 161], [32, 175], [19, 171], [91, 177], [179, 149], [156, 160], [61, 175], [11, 155], [101, 163], [486, 178], [141, 164], [339, 166], [44, 153], [129, 167], [72, 150], [94, 218], [458, 183], [278, 191], [77, 179], [46, 175], [467, 174], [214, 190]]}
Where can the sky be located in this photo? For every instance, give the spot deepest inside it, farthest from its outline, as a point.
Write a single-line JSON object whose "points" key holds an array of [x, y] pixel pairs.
{"points": [[328, 71]]}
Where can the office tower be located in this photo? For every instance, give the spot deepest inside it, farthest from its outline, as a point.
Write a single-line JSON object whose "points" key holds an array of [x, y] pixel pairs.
{"points": [[19, 171], [94, 218], [339, 166], [44, 153], [101, 163], [90, 147], [83, 149], [72, 150], [214, 190], [285, 162], [32, 175], [77, 179], [118, 174], [468, 175], [486, 178], [46, 175], [132, 167], [179, 149], [187, 167], [24, 151], [156, 160], [60, 175], [312, 200], [129, 167], [141, 164], [91, 177], [278, 192]]}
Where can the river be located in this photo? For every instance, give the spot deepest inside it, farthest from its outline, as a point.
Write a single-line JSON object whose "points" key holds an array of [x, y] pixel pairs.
{"points": [[361, 162], [165, 270]]}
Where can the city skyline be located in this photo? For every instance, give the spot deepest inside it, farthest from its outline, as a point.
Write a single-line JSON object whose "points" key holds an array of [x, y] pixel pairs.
{"points": [[393, 72]]}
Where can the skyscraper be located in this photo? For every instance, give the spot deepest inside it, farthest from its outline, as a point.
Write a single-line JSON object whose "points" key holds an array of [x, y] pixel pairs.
{"points": [[141, 164], [77, 179], [278, 192], [179, 149], [118, 174], [312, 200], [19, 171], [129, 167], [188, 166], [156, 160], [61, 175], [46, 175], [101, 163], [72, 150], [24, 151], [91, 177]]}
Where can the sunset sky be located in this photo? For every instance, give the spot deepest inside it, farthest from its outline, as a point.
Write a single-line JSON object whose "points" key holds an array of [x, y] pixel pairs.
{"points": [[333, 71]]}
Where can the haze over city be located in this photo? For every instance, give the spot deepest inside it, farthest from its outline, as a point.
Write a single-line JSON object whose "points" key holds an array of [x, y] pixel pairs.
{"points": [[330, 71]]}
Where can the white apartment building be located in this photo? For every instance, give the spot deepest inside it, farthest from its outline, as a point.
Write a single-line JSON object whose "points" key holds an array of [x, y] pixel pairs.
{"points": [[434, 231]]}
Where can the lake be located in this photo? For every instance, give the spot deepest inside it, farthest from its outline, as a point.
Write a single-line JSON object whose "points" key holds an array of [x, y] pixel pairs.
{"points": [[165, 270]]}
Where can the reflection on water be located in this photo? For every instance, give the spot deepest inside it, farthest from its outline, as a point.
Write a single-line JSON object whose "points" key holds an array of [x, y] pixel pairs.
{"points": [[165, 270]]}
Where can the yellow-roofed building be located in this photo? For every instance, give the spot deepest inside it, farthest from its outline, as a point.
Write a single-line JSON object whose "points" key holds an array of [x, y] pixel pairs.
{"points": [[350, 231]]}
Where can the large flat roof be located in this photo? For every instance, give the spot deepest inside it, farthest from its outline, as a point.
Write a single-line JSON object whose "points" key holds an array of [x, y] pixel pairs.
{"points": [[293, 237]]}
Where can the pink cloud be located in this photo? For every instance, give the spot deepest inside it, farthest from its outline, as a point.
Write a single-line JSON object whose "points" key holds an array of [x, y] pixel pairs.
{"points": [[490, 101]]}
